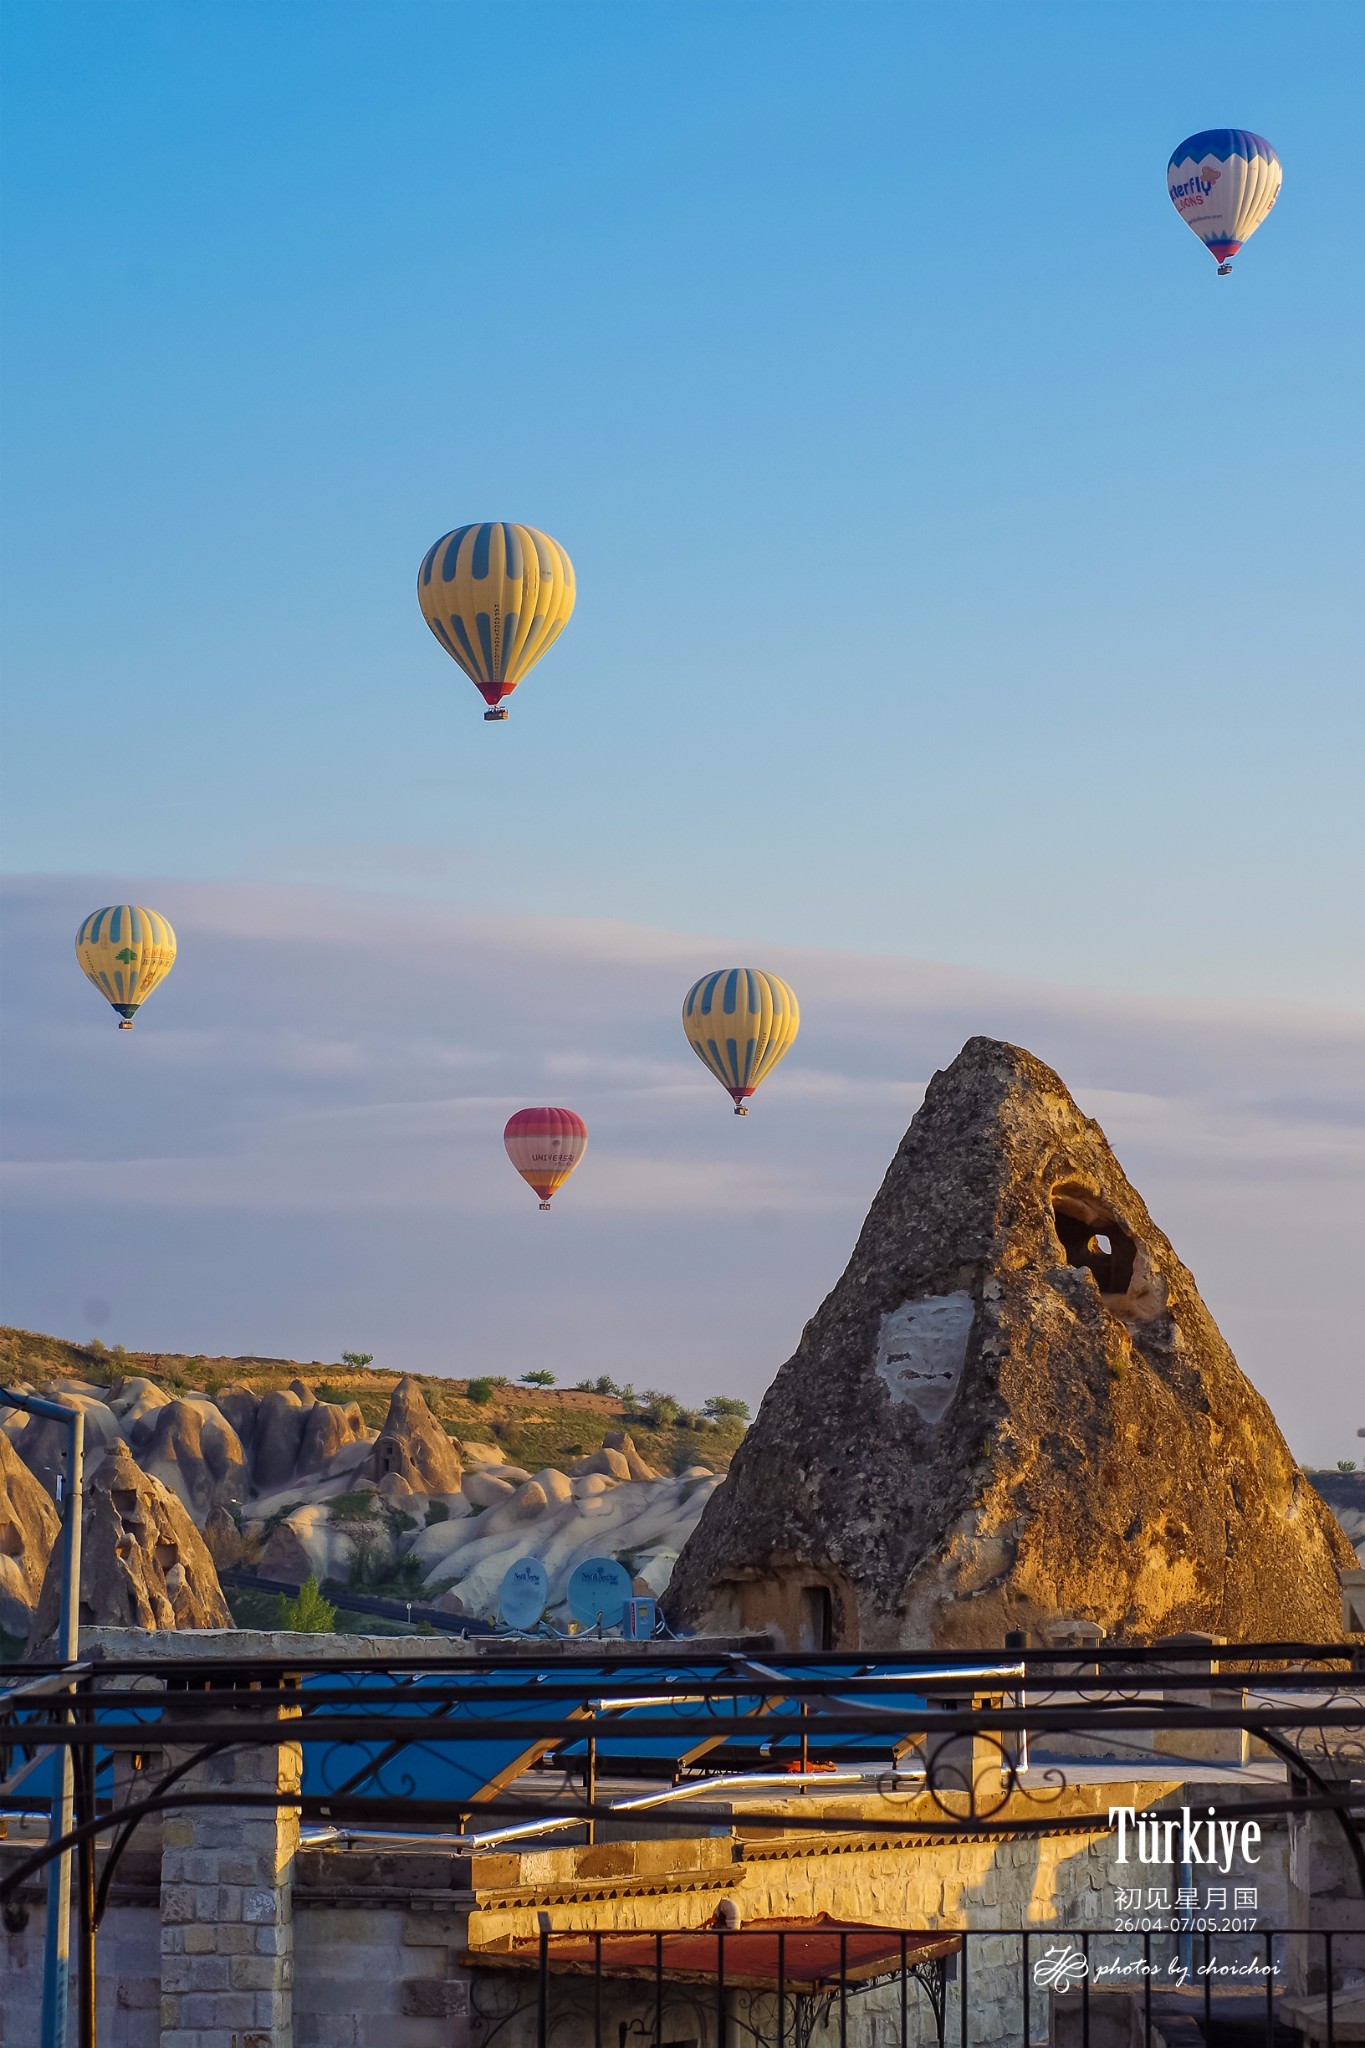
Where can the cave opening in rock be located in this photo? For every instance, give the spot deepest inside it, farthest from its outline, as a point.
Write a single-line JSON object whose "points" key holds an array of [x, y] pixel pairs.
{"points": [[817, 1618], [1092, 1236]]}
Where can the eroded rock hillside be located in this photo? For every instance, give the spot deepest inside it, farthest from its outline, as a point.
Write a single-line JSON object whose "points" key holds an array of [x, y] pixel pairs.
{"points": [[355, 1477]]}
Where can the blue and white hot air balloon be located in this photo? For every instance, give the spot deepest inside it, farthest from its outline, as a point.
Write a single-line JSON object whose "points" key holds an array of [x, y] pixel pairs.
{"points": [[1223, 182]]}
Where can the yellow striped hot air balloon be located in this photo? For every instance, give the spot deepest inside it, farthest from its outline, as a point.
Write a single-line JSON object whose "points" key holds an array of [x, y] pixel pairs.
{"points": [[740, 1023], [126, 950], [496, 596]]}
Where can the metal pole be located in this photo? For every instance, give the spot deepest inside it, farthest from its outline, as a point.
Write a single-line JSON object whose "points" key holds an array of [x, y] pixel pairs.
{"points": [[57, 1948], [85, 1868]]}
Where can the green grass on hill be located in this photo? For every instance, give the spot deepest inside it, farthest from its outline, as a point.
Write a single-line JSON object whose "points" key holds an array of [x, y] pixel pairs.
{"points": [[533, 1426]]}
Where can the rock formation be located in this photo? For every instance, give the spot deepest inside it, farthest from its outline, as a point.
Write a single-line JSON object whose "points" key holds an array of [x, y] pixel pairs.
{"points": [[28, 1531], [291, 1486], [238, 1407], [143, 1562], [329, 1427], [278, 1436], [191, 1448], [1013, 1411], [43, 1444], [223, 1539], [413, 1444]]}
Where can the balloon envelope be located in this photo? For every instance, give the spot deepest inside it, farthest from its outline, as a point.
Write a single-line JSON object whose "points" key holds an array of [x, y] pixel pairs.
{"points": [[740, 1023], [545, 1145], [125, 949], [496, 596], [1223, 182]]}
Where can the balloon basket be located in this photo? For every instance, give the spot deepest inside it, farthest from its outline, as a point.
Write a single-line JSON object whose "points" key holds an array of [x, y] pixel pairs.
{"points": [[740, 1110], [546, 1207], [1225, 270], [125, 1023], [496, 714]]}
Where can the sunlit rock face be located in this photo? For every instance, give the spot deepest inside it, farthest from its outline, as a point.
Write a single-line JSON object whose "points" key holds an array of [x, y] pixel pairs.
{"points": [[413, 1445], [1014, 1410], [143, 1562], [28, 1530]]}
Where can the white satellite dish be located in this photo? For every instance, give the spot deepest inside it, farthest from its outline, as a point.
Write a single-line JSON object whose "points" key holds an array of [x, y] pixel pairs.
{"points": [[522, 1595], [598, 1591]]}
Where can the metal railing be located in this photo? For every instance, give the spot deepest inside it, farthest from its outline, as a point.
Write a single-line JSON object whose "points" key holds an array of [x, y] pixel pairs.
{"points": [[897, 1987], [939, 1748]]}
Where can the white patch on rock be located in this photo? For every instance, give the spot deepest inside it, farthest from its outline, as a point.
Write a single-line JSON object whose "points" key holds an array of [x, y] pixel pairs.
{"points": [[921, 1349]]}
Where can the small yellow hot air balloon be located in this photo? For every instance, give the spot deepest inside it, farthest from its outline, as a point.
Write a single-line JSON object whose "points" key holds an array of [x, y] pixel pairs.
{"points": [[126, 951], [740, 1023], [496, 596]]}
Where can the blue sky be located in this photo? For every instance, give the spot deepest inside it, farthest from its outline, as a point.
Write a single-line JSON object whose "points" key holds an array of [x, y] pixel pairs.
{"points": [[966, 574]]}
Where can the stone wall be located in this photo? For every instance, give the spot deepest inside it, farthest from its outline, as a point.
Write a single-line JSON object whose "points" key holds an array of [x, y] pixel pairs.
{"points": [[373, 1950], [128, 2008], [379, 1977], [227, 1908]]}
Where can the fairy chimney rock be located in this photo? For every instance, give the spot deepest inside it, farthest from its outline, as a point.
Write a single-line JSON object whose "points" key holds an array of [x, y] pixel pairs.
{"points": [[413, 1445], [1013, 1410], [28, 1531], [143, 1562]]}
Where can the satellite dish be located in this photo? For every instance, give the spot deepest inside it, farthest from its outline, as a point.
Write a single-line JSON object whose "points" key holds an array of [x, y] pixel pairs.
{"points": [[598, 1591], [523, 1593]]}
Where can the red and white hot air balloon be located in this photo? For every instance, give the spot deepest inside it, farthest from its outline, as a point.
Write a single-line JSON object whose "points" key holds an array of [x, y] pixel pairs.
{"points": [[545, 1145]]}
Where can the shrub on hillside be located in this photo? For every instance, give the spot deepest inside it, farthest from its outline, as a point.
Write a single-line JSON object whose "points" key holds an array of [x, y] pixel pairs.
{"points": [[352, 1507], [724, 1407], [308, 1613]]}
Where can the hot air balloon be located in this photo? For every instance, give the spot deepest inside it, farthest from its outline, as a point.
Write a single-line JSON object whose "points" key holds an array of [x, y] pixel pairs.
{"points": [[126, 951], [740, 1023], [496, 596], [545, 1145], [1223, 182]]}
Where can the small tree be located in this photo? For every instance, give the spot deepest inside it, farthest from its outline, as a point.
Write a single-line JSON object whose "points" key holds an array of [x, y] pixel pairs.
{"points": [[538, 1379], [726, 1407], [605, 1385], [357, 1360], [1346, 1464], [308, 1613], [480, 1392], [660, 1409]]}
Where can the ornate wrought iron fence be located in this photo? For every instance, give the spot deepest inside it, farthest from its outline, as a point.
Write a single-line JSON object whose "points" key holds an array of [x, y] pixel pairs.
{"points": [[441, 1749]]}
